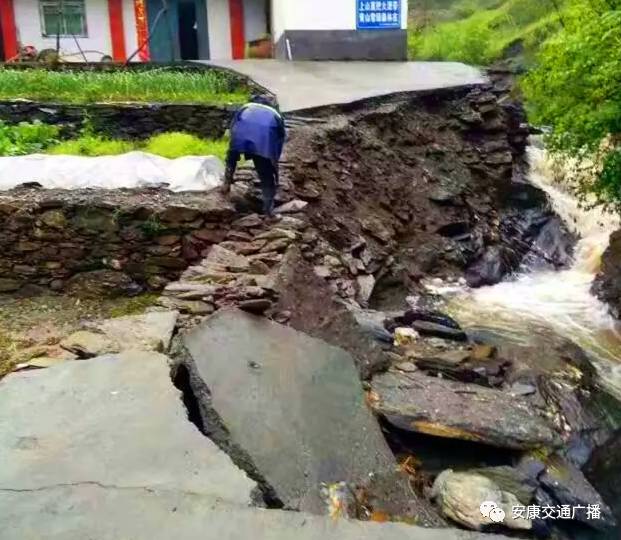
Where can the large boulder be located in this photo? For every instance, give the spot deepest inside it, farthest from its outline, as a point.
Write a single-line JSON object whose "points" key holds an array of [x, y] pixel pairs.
{"points": [[288, 407], [416, 402], [112, 423], [460, 496], [607, 284]]}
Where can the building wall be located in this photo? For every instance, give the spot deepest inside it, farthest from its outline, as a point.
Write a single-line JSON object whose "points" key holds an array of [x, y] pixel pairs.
{"points": [[327, 30], [219, 29], [319, 15], [28, 22]]}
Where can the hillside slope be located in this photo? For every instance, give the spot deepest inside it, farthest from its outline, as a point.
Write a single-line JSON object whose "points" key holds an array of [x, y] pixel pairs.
{"points": [[482, 31]]}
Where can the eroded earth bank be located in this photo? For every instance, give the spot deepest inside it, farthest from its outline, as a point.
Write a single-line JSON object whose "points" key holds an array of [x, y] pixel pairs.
{"points": [[300, 368]]}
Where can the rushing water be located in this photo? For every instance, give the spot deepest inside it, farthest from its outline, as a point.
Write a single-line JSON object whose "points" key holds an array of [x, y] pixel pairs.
{"points": [[537, 301]]}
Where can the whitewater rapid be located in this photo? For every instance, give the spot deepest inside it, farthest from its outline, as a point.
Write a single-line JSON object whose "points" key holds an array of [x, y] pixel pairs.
{"points": [[540, 301]]}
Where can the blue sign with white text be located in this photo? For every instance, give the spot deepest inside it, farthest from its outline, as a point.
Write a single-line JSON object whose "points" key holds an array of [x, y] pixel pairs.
{"points": [[376, 14]]}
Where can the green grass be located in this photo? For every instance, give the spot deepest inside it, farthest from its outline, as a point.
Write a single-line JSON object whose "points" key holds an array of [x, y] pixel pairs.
{"points": [[169, 145], [209, 86], [483, 31], [174, 145]]}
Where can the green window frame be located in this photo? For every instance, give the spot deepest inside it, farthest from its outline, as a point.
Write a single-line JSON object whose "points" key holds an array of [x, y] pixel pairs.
{"points": [[68, 16]]}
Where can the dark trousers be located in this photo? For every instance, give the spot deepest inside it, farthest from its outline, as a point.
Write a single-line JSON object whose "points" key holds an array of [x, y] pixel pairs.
{"points": [[267, 171]]}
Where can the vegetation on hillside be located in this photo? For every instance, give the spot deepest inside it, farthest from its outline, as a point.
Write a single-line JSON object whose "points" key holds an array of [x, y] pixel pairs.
{"points": [[209, 86], [572, 49], [575, 88], [481, 31]]}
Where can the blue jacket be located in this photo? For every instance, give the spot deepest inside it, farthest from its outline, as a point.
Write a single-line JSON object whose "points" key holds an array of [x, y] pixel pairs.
{"points": [[258, 129]]}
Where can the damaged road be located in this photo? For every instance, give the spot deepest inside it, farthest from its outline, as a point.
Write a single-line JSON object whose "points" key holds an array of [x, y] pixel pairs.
{"points": [[289, 409]]}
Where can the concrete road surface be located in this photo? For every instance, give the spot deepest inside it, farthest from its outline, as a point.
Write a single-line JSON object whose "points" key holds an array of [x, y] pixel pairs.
{"points": [[305, 85]]}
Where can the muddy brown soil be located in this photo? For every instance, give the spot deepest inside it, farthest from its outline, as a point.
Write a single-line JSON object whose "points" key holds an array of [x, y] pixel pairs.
{"points": [[426, 186]]}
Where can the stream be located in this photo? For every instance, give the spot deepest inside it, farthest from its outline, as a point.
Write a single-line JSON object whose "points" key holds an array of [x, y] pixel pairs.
{"points": [[534, 302]]}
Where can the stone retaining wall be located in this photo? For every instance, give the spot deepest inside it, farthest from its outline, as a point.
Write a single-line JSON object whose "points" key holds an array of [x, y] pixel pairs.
{"points": [[123, 120], [111, 240]]}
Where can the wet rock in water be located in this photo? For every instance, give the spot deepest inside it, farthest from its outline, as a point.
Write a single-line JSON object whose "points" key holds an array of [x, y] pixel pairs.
{"points": [[607, 284], [460, 495], [291, 437], [114, 423], [416, 402], [604, 470], [567, 485], [583, 429], [495, 263], [102, 284], [552, 248], [429, 323], [432, 329], [425, 315]]}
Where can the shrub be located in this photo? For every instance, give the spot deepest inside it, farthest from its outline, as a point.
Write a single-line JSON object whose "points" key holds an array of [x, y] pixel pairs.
{"points": [[26, 138], [576, 90]]}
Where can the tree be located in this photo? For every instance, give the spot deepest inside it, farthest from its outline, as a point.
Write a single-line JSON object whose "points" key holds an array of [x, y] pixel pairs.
{"points": [[575, 90]]}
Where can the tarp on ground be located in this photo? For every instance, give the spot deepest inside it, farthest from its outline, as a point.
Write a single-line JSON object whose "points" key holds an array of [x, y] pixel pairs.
{"points": [[131, 170]]}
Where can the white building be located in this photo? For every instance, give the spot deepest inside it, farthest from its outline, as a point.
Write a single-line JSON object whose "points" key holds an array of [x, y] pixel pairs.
{"points": [[168, 30]]}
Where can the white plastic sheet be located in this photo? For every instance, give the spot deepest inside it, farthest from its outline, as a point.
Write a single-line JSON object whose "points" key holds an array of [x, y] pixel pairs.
{"points": [[131, 170]]}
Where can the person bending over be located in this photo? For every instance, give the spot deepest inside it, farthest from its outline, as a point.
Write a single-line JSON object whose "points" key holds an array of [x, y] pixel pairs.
{"points": [[258, 132]]}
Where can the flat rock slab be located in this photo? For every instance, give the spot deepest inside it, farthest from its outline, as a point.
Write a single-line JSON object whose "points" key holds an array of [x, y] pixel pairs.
{"points": [[93, 512], [146, 332], [291, 406], [149, 332], [114, 421], [416, 402]]}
